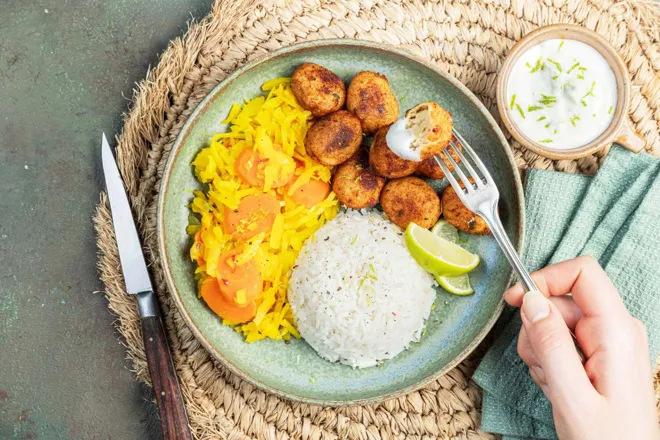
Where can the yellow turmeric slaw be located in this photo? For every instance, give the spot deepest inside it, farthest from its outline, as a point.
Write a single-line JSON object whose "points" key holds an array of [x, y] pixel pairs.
{"points": [[275, 126]]}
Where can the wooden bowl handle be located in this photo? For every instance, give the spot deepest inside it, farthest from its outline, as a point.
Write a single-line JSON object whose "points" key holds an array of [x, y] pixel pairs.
{"points": [[629, 138]]}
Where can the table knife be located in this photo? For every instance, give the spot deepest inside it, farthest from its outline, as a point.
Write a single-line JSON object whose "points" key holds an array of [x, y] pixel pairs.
{"points": [[173, 417]]}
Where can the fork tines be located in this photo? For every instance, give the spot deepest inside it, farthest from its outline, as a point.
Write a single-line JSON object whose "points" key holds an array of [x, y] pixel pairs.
{"points": [[475, 179]]}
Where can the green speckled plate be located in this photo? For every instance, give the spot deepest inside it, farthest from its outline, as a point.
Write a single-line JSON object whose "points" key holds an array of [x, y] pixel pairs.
{"points": [[456, 325]]}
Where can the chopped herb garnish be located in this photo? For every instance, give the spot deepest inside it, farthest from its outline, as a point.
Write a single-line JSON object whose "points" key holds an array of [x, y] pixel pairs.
{"points": [[591, 90], [584, 103], [403, 99], [354, 239], [513, 101], [542, 118], [546, 141], [547, 125], [580, 77], [312, 380], [528, 65], [554, 131], [573, 119], [572, 67], [533, 108], [520, 110], [539, 65], [549, 96], [609, 110], [582, 69], [594, 115], [557, 65], [555, 77], [560, 45]]}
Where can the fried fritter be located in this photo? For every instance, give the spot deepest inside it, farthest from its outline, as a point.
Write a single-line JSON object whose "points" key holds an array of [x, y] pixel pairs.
{"points": [[429, 168], [317, 89], [334, 138], [370, 98], [431, 126], [356, 184], [387, 163], [410, 199], [456, 214]]}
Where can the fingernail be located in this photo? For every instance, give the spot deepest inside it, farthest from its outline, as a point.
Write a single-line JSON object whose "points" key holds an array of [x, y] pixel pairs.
{"points": [[535, 306]]}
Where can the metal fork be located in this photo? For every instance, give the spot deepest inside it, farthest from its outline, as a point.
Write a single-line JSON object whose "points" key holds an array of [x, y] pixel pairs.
{"points": [[481, 196]]}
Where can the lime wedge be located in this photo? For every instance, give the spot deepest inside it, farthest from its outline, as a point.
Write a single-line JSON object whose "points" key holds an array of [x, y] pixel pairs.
{"points": [[437, 255], [445, 230], [459, 285]]}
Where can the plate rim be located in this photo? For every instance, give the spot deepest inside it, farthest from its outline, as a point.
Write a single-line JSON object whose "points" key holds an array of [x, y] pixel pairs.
{"points": [[176, 149]]}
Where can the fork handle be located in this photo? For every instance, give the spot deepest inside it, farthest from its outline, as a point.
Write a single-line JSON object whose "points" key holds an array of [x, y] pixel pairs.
{"points": [[493, 219]]}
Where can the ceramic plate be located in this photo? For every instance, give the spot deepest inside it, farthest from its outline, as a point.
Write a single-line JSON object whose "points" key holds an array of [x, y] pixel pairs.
{"points": [[456, 325]]}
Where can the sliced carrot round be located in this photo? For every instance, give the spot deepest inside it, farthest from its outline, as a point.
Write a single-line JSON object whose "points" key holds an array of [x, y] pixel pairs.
{"points": [[210, 292], [234, 278], [311, 193], [250, 168], [255, 214]]}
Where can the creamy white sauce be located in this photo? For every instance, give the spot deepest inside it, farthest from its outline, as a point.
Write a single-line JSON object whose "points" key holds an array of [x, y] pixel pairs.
{"points": [[562, 94], [399, 139]]}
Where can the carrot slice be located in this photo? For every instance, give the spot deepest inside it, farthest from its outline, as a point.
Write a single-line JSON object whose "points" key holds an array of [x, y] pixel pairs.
{"points": [[250, 168], [210, 292], [255, 214], [238, 283], [311, 193]]}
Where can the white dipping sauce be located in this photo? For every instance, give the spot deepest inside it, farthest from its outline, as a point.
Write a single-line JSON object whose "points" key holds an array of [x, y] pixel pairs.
{"points": [[399, 139], [562, 93]]}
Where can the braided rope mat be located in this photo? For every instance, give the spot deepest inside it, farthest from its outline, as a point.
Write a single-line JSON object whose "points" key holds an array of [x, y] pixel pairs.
{"points": [[467, 38]]}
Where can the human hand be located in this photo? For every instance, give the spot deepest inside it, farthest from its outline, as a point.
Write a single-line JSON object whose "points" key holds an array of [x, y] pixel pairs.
{"points": [[610, 396]]}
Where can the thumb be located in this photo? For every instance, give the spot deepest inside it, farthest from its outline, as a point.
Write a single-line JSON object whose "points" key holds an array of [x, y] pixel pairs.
{"points": [[549, 337]]}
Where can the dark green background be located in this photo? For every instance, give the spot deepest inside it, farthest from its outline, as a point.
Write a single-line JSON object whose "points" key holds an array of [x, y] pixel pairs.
{"points": [[67, 70]]}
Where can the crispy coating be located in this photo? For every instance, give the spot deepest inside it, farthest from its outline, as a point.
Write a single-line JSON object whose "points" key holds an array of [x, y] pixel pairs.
{"points": [[334, 138], [318, 89], [355, 184], [387, 163], [432, 127], [429, 168], [370, 98], [410, 199], [456, 214]]}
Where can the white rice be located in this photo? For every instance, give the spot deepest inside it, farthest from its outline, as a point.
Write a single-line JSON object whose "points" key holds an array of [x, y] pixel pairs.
{"points": [[358, 296]]}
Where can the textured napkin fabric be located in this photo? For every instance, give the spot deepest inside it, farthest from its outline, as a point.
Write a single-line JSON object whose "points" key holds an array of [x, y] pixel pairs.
{"points": [[615, 217]]}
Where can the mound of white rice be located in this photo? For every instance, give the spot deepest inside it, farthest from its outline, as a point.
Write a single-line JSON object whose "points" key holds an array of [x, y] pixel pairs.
{"points": [[357, 294]]}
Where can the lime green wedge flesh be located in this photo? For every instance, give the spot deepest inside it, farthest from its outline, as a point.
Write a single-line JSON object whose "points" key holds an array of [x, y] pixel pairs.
{"points": [[459, 285], [437, 255], [445, 230]]}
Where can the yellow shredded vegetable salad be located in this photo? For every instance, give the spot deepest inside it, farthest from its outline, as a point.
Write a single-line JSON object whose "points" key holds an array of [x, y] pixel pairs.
{"points": [[263, 197]]}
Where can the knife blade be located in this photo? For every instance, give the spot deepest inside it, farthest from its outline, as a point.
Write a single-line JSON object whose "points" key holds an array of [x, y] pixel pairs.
{"points": [[173, 417]]}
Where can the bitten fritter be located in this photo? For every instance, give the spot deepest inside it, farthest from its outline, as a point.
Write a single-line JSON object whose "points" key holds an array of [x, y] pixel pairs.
{"points": [[431, 126], [456, 214], [385, 162], [318, 89], [410, 200], [370, 98], [334, 138], [356, 184], [429, 168]]}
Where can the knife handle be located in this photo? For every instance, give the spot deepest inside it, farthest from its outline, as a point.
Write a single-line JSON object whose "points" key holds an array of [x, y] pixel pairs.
{"points": [[173, 418]]}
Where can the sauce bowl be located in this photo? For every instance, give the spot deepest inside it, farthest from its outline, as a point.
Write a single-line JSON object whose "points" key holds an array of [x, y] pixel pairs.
{"points": [[619, 130]]}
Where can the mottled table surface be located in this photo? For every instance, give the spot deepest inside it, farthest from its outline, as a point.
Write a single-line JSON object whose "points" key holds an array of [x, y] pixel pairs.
{"points": [[67, 69]]}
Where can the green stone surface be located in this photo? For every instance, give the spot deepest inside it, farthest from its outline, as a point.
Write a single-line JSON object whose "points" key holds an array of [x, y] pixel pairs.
{"points": [[67, 70], [456, 325]]}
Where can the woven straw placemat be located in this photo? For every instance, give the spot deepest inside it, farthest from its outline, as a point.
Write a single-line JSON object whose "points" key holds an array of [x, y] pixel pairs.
{"points": [[469, 39]]}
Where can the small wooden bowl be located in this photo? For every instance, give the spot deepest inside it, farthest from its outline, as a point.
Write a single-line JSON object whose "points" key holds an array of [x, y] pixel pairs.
{"points": [[619, 130]]}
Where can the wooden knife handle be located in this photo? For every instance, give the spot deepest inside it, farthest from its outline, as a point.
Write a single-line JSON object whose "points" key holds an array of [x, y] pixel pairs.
{"points": [[173, 418]]}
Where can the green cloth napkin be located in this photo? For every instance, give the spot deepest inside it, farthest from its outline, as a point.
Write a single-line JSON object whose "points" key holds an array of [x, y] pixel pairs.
{"points": [[613, 217]]}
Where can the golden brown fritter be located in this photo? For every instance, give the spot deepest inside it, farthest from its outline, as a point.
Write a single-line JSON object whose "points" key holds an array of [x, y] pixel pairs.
{"points": [[370, 98], [355, 184], [385, 162], [429, 168], [456, 214], [317, 89], [410, 199], [431, 126], [334, 138]]}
